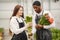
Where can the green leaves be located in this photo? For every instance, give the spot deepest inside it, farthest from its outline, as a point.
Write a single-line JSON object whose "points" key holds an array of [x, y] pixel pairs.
{"points": [[44, 21], [1, 29], [28, 19], [29, 29], [55, 34]]}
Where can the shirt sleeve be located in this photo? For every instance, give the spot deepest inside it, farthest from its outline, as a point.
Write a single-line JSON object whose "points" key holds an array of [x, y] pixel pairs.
{"points": [[33, 24], [51, 25], [15, 27]]}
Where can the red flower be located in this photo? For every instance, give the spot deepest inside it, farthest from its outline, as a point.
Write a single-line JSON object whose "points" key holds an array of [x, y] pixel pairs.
{"points": [[51, 20]]}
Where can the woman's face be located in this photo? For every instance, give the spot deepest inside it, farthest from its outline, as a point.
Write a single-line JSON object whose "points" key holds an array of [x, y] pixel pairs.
{"points": [[20, 11]]}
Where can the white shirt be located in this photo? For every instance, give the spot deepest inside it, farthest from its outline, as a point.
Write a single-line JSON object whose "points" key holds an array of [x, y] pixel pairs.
{"points": [[46, 27], [14, 27]]}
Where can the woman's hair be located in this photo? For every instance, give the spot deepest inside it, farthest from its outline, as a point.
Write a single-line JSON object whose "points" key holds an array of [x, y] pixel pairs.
{"points": [[16, 9]]}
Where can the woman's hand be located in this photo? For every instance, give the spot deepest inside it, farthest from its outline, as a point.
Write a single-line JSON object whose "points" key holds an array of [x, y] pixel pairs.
{"points": [[38, 26], [29, 24]]}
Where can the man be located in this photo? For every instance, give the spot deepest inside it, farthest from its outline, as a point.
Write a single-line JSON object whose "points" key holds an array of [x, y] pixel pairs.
{"points": [[42, 32]]}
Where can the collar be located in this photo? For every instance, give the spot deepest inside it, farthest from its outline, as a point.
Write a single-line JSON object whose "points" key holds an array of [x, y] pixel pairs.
{"points": [[40, 13]]}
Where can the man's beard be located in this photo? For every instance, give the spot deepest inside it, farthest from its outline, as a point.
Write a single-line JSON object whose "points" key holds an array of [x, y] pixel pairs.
{"points": [[38, 11]]}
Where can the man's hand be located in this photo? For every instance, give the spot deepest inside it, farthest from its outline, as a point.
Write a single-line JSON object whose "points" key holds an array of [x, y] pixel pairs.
{"points": [[38, 26]]}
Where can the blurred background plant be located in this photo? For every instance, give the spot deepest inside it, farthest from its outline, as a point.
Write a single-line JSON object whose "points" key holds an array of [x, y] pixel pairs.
{"points": [[55, 34]]}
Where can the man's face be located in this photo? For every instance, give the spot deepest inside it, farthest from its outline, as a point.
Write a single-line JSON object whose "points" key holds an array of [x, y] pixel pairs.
{"points": [[37, 8]]}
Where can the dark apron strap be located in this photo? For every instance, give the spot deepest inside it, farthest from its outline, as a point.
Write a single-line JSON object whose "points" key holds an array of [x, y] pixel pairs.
{"points": [[18, 21], [20, 36]]}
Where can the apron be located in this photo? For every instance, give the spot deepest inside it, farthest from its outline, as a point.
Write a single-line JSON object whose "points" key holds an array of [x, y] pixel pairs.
{"points": [[20, 36], [42, 34]]}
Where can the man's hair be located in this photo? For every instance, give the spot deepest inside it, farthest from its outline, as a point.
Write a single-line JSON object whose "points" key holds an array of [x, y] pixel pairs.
{"points": [[37, 3]]}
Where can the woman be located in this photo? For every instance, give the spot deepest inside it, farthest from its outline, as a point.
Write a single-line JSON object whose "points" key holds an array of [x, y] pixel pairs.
{"points": [[17, 24]]}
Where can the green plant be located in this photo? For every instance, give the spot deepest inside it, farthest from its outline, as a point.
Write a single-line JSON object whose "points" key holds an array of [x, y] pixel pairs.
{"points": [[1, 29], [55, 34], [29, 19], [44, 21]]}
